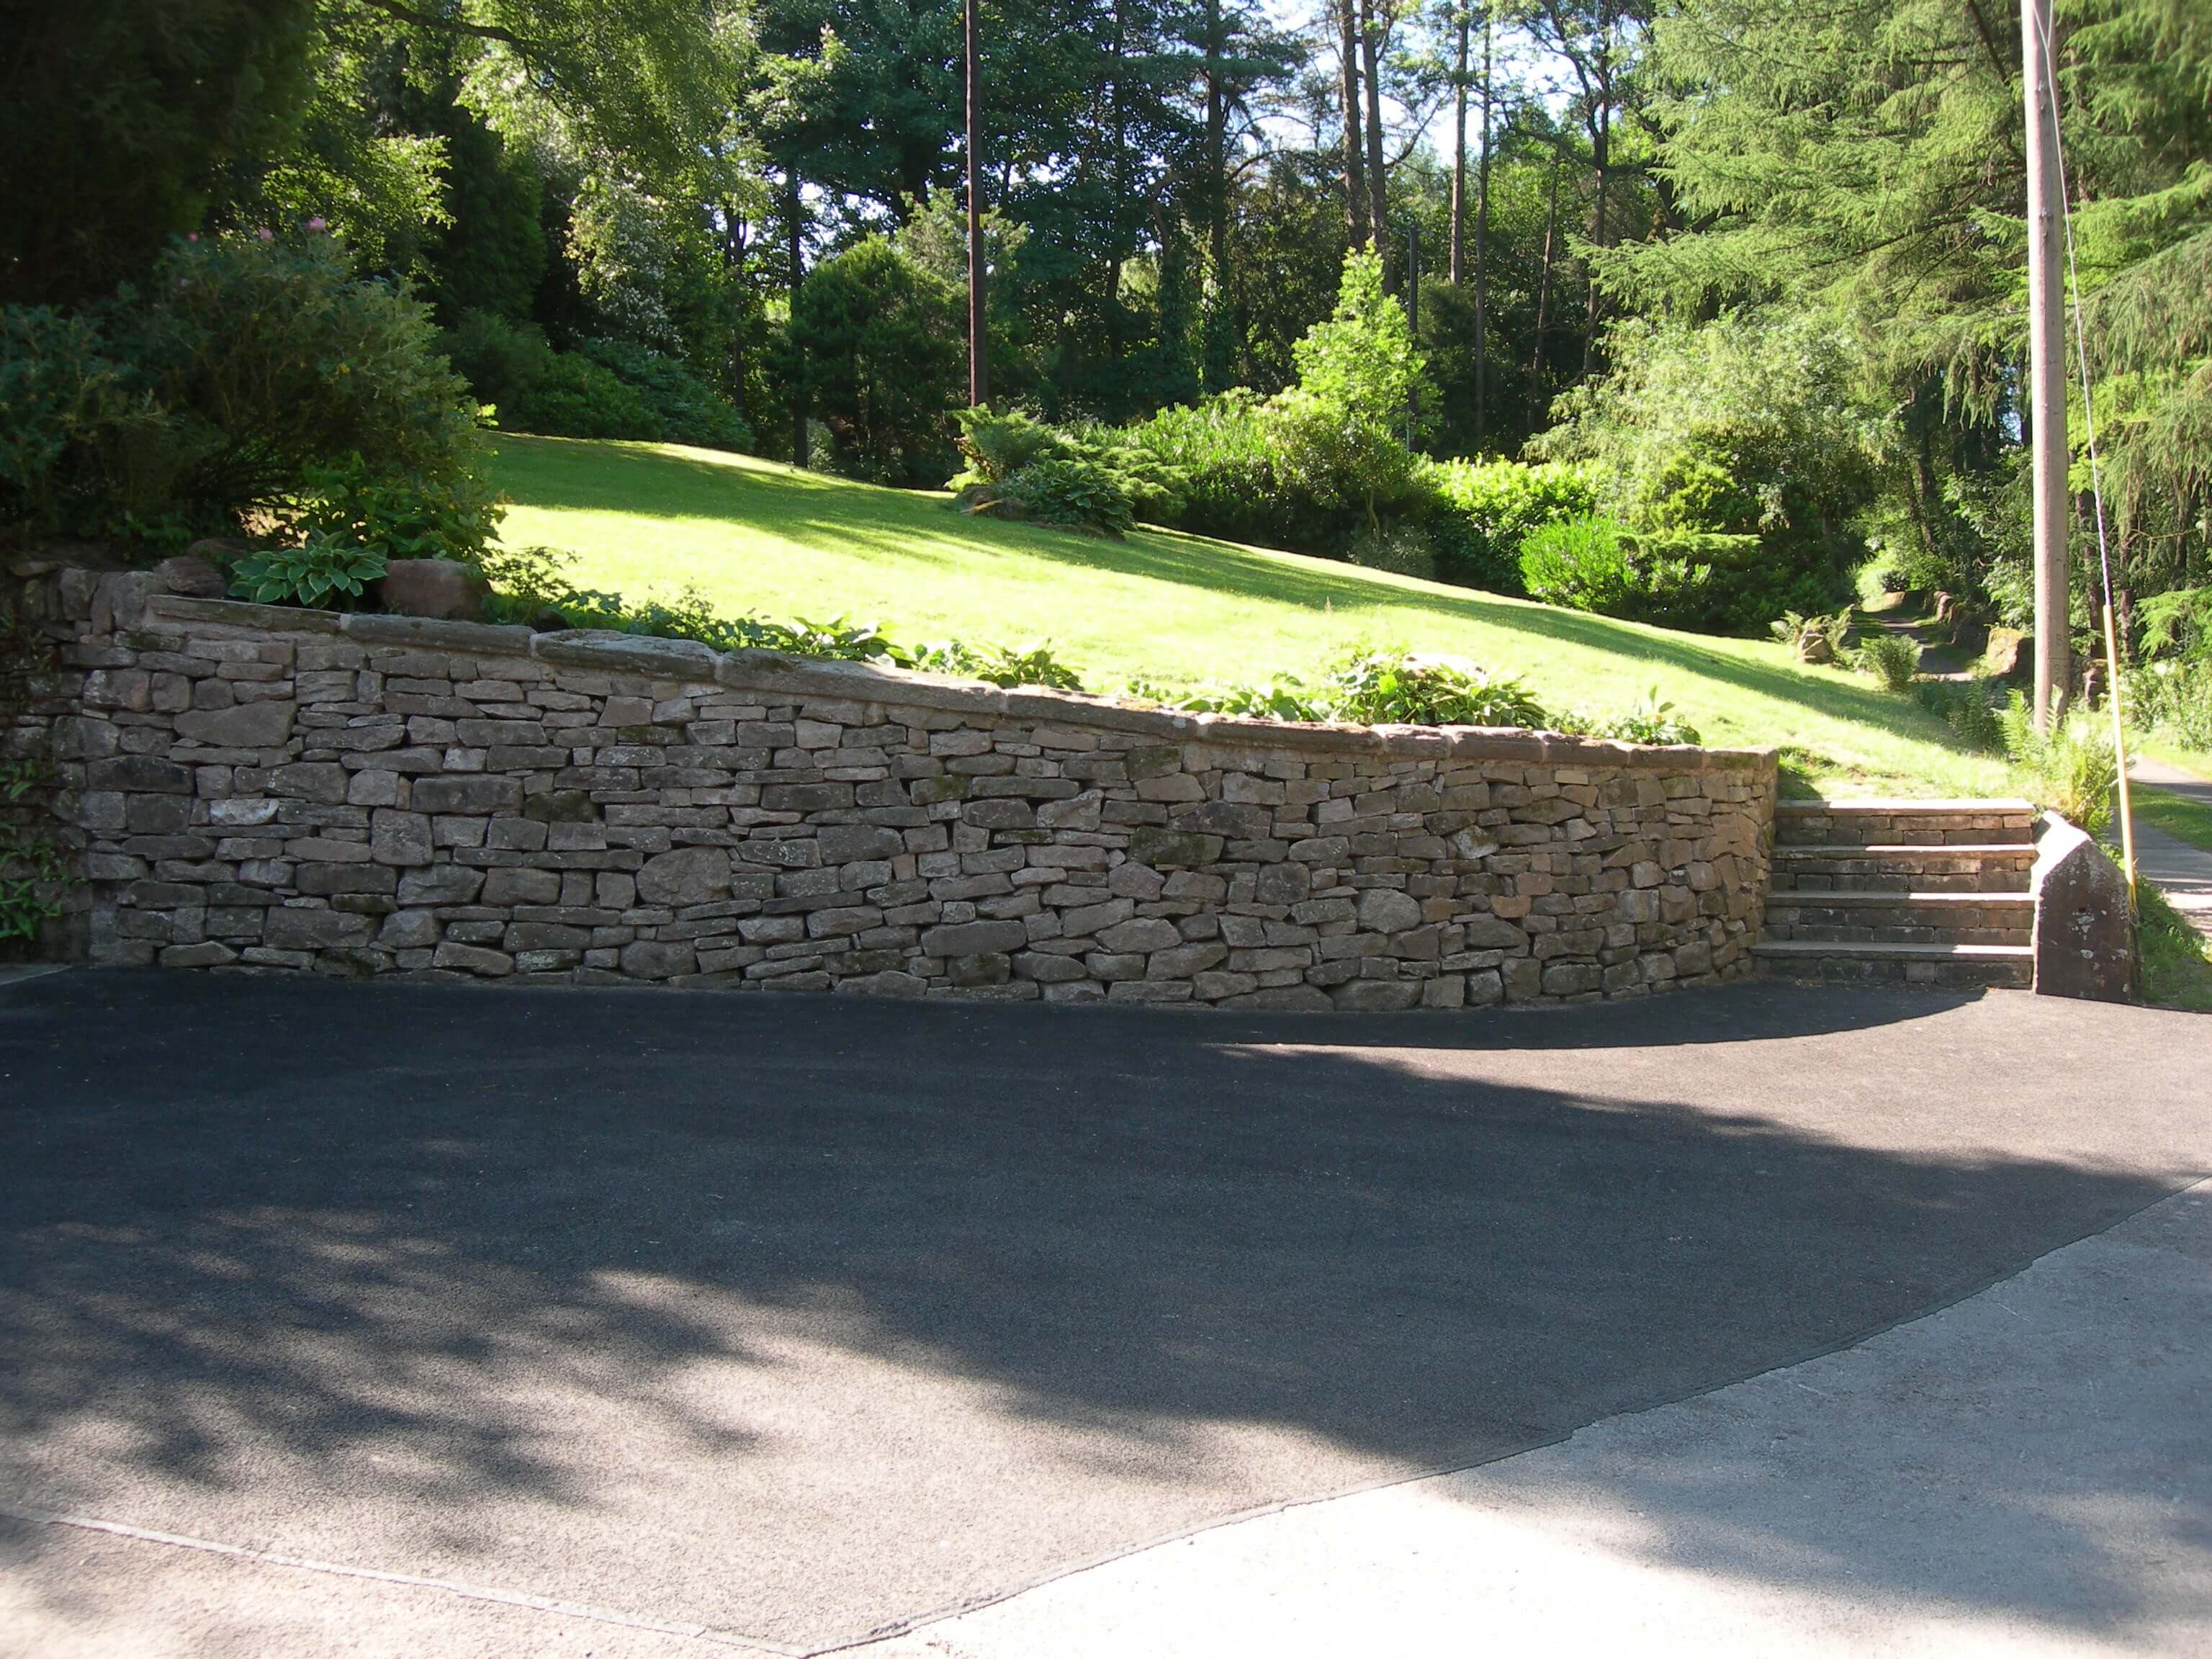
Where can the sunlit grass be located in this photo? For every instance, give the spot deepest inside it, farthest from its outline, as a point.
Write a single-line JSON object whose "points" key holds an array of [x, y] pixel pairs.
{"points": [[755, 535]]}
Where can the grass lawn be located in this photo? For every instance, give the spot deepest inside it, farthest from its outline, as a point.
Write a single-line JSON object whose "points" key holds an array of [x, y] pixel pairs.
{"points": [[2179, 816], [755, 536]]}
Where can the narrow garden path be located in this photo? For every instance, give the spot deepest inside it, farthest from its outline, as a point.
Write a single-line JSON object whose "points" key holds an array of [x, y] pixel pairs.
{"points": [[2184, 872]]}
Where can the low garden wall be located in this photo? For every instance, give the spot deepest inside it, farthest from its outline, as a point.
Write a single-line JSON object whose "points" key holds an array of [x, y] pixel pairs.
{"points": [[250, 787]]}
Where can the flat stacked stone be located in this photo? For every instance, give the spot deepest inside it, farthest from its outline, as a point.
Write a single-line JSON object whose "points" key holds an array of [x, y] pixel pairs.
{"points": [[262, 788]]}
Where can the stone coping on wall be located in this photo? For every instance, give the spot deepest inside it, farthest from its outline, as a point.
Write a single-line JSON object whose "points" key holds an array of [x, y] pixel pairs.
{"points": [[880, 685]]}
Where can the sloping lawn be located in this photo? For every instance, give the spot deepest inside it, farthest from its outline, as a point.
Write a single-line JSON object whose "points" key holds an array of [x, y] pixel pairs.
{"points": [[755, 536]]}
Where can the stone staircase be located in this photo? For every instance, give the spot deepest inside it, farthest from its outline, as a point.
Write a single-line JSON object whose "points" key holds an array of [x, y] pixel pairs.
{"points": [[1928, 892]]}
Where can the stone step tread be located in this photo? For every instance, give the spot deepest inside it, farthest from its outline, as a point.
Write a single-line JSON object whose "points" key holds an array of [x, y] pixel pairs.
{"points": [[1831, 849], [1909, 806], [1853, 895], [1815, 947], [1786, 933]]}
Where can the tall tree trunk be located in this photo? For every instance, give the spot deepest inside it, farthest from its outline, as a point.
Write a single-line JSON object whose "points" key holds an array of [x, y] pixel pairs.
{"points": [[1544, 293], [1378, 205], [793, 210], [1482, 255], [1459, 164], [1218, 322], [1120, 189], [1355, 170], [1601, 157]]}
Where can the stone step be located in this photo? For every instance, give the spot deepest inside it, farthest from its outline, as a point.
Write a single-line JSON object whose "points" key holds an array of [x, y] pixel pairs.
{"points": [[1846, 867], [1904, 822], [2009, 966], [1909, 918]]}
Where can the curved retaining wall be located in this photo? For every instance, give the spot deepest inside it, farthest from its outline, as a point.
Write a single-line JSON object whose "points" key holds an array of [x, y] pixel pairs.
{"points": [[256, 787]]}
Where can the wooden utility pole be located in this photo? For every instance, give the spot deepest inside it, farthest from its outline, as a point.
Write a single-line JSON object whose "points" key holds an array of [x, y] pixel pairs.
{"points": [[979, 380], [2046, 371], [1482, 253], [795, 227]]}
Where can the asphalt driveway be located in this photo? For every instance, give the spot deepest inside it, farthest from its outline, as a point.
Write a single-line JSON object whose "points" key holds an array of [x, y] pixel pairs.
{"points": [[794, 1321]]}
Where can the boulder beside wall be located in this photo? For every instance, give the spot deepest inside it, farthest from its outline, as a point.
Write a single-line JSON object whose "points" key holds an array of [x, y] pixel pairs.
{"points": [[2085, 930]]}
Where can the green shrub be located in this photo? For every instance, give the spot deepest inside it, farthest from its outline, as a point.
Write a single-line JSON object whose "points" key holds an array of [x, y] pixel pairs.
{"points": [[207, 399], [319, 573], [2071, 770], [1032, 664], [685, 409], [605, 389], [2177, 623], [1816, 638], [1075, 491], [1368, 686], [397, 515], [1487, 510], [1707, 583], [1653, 721], [1966, 706], [2173, 699], [1021, 468], [1892, 658], [997, 444], [570, 396], [880, 338], [1391, 687]]}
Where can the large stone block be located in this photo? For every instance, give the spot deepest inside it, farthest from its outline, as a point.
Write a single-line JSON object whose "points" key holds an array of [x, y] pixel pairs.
{"points": [[974, 938], [1386, 910], [247, 725], [2085, 931], [689, 875], [467, 795]]}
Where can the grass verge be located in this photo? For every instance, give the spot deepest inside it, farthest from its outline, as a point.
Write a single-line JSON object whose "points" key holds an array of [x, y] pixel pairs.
{"points": [[2177, 959], [752, 535]]}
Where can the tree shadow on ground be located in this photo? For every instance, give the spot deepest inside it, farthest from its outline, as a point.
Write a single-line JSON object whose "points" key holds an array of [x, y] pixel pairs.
{"points": [[806, 1316], [887, 522]]}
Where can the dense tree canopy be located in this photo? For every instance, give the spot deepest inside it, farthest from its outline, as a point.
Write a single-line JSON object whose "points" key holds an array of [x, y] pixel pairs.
{"points": [[1760, 265]]}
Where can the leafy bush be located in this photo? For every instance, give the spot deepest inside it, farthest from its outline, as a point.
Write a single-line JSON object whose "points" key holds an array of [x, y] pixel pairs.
{"points": [[998, 444], [1653, 721], [1021, 468], [318, 572], [605, 389], [569, 396], [1032, 664], [880, 338], [1387, 686], [397, 515], [1368, 686], [1747, 424], [208, 399], [2071, 769], [1708, 583], [685, 409], [530, 586], [2177, 623], [1966, 707], [1816, 638], [1076, 491], [2173, 699], [1892, 658], [1487, 510]]}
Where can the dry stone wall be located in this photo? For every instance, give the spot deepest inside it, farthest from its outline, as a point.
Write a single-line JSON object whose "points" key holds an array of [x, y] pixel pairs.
{"points": [[273, 789]]}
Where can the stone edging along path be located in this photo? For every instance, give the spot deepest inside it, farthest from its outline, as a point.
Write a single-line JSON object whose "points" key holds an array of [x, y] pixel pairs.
{"points": [[255, 787]]}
